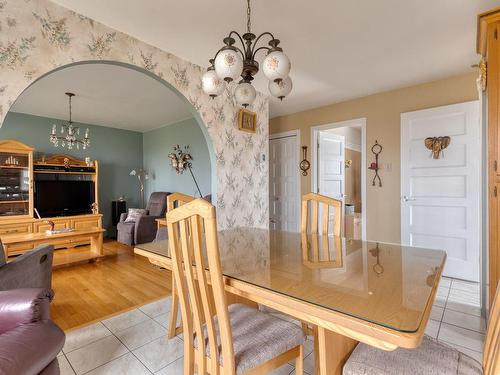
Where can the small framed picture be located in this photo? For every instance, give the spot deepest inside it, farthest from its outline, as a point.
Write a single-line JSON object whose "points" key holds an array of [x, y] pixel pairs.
{"points": [[247, 120]]}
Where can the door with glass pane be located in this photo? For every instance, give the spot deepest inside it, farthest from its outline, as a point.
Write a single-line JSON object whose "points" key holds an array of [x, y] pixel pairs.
{"points": [[16, 196]]}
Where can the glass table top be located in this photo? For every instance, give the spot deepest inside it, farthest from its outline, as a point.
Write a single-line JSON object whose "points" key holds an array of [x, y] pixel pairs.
{"points": [[386, 284]]}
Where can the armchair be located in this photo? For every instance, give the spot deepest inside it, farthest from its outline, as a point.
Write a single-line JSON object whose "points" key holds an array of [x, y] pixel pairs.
{"points": [[144, 228], [29, 270], [29, 340]]}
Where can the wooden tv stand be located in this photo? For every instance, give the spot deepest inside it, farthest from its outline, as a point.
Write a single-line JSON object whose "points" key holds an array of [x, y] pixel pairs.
{"points": [[18, 170]]}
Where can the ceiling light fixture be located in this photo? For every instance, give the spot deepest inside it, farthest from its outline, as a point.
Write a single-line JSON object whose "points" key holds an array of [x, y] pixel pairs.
{"points": [[69, 132], [231, 62]]}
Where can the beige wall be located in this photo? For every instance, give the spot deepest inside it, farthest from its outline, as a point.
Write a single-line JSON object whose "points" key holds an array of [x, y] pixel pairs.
{"points": [[382, 112]]}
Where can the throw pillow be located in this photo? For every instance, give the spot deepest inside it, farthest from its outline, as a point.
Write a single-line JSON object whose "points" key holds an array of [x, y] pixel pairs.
{"points": [[134, 214]]}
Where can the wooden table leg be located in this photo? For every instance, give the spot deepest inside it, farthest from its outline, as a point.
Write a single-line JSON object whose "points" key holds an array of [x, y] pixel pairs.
{"points": [[96, 244], [331, 351]]}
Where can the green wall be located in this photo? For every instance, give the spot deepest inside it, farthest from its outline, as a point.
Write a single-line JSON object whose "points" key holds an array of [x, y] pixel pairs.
{"points": [[118, 151], [157, 144]]}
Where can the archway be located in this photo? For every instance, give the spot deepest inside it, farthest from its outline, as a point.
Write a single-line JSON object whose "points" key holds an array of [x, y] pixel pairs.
{"points": [[48, 36], [134, 119], [192, 110]]}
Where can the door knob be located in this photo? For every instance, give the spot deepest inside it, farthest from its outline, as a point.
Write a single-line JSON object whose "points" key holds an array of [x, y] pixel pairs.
{"points": [[272, 221], [407, 198]]}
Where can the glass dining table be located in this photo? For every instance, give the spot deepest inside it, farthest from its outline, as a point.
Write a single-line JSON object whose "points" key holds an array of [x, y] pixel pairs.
{"points": [[349, 290]]}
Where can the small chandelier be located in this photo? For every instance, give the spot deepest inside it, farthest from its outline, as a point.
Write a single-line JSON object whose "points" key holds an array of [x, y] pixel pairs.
{"points": [[231, 62], [69, 133]]}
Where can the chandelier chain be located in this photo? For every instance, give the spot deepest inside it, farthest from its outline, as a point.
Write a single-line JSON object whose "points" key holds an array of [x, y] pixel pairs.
{"points": [[249, 13], [70, 112]]}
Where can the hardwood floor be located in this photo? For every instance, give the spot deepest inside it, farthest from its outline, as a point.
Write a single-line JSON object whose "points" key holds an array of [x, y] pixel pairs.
{"points": [[90, 292]]}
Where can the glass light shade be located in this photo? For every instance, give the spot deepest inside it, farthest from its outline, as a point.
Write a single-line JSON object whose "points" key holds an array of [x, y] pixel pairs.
{"points": [[276, 66], [228, 65], [281, 88], [245, 94], [211, 83]]}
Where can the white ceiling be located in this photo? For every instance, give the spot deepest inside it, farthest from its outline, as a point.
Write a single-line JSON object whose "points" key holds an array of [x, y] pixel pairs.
{"points": [[339, 49], [107, 95]]}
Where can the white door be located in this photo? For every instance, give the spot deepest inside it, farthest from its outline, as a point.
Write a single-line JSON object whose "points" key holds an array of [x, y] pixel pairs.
{"points": [[441, 197], [331, 169], [283, 183]]}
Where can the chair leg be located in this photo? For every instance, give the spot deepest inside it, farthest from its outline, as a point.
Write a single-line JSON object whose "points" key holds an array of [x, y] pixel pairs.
{"points": [[174, 310], [299, 362]]}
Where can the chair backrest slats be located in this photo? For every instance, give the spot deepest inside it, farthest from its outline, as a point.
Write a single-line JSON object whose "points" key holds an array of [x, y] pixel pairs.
{"points": [[202, 295], [207, 302], [326, 203], [491, 356]]}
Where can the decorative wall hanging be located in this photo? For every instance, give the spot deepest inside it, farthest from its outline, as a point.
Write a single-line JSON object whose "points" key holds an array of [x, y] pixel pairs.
{"points": [[231, 62], [376, 150], [304, 164], [180, 160], [247, 120], [437, 145]]}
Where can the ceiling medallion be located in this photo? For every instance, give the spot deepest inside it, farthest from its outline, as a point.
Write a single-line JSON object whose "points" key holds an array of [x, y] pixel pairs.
{"points": [[231, 62], [69, 133]]}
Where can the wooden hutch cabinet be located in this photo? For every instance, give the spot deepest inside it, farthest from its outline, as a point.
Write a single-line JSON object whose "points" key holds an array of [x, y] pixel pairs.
{"points": [[16, 184], [488, 46], [18, 174]]}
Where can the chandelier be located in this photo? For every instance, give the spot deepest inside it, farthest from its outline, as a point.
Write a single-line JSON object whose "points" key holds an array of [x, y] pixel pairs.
{"points": [[69, 132], [231, 62]]}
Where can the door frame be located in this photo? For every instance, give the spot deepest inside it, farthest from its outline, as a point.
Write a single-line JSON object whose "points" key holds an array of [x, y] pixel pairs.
{"points": [[314, 161], [481, 187], [293, 133]]}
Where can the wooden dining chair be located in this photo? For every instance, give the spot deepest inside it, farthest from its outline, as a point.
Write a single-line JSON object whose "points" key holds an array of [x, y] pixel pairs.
{"points": [[316, 201], [221, 339], [431, 357], [175, 200]]}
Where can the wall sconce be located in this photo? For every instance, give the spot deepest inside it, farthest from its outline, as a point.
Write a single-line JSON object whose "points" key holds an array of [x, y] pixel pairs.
{"points": [[304, 164]]}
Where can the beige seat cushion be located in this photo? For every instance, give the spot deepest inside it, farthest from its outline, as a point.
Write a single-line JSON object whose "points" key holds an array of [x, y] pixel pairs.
{"points": [[430, 358], [259, 337]]}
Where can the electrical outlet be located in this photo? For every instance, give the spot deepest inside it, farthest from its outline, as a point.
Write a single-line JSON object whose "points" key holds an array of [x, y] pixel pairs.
{"points": [[263, 157], [388, 167]]}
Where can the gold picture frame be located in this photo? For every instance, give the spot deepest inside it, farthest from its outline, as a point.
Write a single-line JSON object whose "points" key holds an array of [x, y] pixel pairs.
{"points": [[247, 120]]}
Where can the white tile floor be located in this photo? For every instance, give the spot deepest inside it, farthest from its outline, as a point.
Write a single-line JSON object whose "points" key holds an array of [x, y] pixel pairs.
{"points": [[135, 342]]}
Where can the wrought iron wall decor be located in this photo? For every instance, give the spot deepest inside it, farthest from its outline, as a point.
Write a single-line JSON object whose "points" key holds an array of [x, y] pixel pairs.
{"points": [[376, 150], [180, 160], [304, 164], [437, 145]]}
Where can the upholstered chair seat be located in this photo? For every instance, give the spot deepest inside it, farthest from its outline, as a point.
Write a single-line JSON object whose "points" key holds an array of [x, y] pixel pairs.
{"points": [[255, 337], [430, 358]]}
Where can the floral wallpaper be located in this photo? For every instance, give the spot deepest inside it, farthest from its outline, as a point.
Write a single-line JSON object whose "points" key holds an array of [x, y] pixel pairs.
{"points": [[37, 36]]}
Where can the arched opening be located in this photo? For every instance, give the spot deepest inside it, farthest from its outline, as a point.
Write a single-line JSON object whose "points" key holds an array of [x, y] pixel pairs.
{"points": [[144, 146]]}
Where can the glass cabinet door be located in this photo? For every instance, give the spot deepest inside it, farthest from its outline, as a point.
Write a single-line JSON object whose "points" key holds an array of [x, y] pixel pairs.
{"points": [[14, 184]]}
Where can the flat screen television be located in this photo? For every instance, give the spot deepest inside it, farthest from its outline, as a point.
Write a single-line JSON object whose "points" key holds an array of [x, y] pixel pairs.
{"points": [[63, 198]]}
